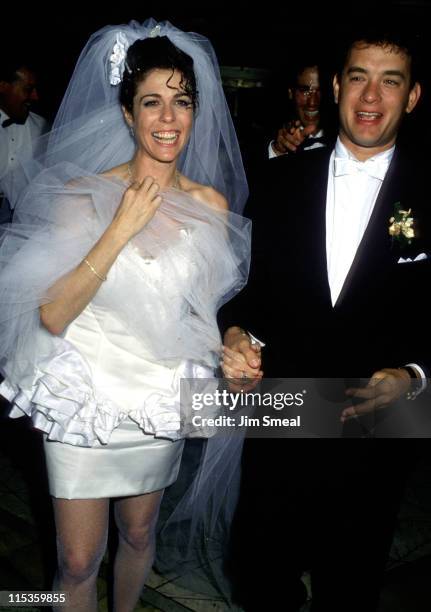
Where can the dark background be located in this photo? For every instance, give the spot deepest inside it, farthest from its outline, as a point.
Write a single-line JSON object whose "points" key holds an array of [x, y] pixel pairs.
{"points": [[243, 36]]}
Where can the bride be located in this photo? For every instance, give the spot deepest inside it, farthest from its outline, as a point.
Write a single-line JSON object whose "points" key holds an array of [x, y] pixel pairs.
{"points": [[121, 252]]}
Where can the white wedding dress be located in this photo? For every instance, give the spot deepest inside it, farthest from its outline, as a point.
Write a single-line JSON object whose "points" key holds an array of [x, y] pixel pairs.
{"points": [[108, 400]]}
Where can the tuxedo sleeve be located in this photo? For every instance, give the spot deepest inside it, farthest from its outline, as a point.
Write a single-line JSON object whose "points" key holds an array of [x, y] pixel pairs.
{"points": [[249, 308]]}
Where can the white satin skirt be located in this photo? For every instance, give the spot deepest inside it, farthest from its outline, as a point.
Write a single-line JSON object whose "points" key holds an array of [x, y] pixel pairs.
{"points": [[131, 463]]}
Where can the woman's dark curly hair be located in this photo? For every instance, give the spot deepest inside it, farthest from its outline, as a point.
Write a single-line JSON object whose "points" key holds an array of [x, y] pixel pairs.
{"points": [[148, 54]]}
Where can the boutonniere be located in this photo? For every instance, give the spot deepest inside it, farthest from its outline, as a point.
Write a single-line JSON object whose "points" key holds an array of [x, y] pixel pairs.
{"points": [[401, 225]]}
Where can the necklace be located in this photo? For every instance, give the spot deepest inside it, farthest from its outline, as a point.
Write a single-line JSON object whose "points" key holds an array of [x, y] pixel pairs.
{"points": [[175, 185]]}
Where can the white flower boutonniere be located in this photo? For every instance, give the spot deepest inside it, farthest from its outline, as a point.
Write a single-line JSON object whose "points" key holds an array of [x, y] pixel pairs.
{"points": [[401, 226]]}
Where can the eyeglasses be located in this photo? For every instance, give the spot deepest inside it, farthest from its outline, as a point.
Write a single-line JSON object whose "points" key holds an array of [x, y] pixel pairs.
{"points": [[306, 91]]}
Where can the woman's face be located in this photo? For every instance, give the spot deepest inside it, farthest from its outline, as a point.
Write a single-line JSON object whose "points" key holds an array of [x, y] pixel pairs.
{"points": [[162, 115]]}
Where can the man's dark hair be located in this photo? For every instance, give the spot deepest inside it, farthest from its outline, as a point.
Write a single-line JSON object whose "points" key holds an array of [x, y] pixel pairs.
{"points": [[9, 66], [148, 54], [392, 37], [303, 61]]}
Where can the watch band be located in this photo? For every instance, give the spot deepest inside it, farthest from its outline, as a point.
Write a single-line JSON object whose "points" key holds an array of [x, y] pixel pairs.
{"points": [[415, 384]]}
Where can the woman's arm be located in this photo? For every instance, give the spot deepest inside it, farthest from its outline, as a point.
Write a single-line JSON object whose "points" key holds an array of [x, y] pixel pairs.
{"points": [[73, 293]]}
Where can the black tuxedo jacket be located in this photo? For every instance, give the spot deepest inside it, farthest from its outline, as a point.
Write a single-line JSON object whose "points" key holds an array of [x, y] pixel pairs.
{"points": [[381, 318]]}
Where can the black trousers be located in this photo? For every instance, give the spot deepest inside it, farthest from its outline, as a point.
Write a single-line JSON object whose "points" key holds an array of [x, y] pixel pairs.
{"points": [[324, 506]]}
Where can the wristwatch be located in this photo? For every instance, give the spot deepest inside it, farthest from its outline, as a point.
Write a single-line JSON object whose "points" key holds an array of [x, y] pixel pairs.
{"points": [[415, 382]]}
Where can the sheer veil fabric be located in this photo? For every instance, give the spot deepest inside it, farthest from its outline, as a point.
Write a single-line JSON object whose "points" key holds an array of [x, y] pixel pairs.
{"points": [[62, 206], [89, 129]]}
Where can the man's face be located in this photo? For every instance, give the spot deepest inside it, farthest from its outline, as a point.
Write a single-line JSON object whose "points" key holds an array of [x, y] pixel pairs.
{"points": [[306, 95], [373, 95], [17, 97]]}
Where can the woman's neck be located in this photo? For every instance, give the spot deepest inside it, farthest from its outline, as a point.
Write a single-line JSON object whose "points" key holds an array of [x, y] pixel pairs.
{"points": [[165, 174]]}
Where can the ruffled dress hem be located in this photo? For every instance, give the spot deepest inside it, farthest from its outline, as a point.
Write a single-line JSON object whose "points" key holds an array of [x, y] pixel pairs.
{"points": [[82, 416]]}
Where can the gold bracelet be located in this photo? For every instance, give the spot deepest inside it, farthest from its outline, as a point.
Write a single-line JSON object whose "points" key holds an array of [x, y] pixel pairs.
{"points": [[102, 278]]}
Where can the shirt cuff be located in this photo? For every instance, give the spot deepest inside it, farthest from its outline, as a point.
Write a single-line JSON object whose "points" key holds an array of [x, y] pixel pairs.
{"points": [[271, 152], [255, 340], [423, 378]]}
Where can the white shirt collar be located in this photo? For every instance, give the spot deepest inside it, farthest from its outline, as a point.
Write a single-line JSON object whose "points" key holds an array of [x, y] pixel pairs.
{"points": [[318, 134], [3, 116]]}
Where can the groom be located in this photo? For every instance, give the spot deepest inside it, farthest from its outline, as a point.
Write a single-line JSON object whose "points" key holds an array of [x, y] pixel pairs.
{"points": [[338, 288]]}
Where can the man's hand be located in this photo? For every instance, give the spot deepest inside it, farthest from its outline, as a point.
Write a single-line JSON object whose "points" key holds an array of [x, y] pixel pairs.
{"points": [[241, 359], [385, 387], [289, 138]]}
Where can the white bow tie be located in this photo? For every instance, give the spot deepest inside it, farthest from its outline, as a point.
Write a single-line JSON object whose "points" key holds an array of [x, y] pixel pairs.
{"points": [[373, 167]]}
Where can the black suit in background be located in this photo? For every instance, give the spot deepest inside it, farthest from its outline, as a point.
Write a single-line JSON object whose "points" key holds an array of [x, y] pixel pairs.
{"points": [[328, 506]]}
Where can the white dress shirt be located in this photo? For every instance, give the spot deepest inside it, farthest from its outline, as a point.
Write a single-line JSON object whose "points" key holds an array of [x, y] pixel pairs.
{"points": [[18, 136], [350, 201]]}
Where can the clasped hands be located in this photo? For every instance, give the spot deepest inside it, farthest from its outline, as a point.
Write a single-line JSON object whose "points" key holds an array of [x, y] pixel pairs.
{"points": [[241, 360]]}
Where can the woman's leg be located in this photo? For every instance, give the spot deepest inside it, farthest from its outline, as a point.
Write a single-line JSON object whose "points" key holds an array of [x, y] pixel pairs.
{"points": [[136, 519], [82, 531]]}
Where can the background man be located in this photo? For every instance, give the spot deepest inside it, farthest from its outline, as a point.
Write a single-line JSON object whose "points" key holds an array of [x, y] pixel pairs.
{"points": [[304, 124], [18, 125]]}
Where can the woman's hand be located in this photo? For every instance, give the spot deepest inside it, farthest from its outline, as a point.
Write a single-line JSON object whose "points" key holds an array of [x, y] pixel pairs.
{"points": [[137, 207], [241, 359]]}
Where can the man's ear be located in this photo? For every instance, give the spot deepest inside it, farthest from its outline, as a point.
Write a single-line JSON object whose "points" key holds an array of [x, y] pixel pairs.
{"points": [[414, 95], [290, 93], [336, 88]]}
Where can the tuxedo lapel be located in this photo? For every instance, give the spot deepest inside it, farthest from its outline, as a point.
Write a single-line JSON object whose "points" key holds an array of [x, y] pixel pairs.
{"points": [[313, 235], [375, 246]]}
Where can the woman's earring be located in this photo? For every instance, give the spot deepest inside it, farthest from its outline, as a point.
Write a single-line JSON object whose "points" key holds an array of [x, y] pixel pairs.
{"points": [[132, 131]]}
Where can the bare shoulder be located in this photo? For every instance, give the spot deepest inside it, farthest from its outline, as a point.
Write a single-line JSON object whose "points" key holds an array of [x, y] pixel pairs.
{"points": [[78, 183], [83, 181], [204, 194], [120, 172]]}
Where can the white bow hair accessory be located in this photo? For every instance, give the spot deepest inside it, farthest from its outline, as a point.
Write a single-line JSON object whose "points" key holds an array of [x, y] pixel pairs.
{"points": [[117, 59]]}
